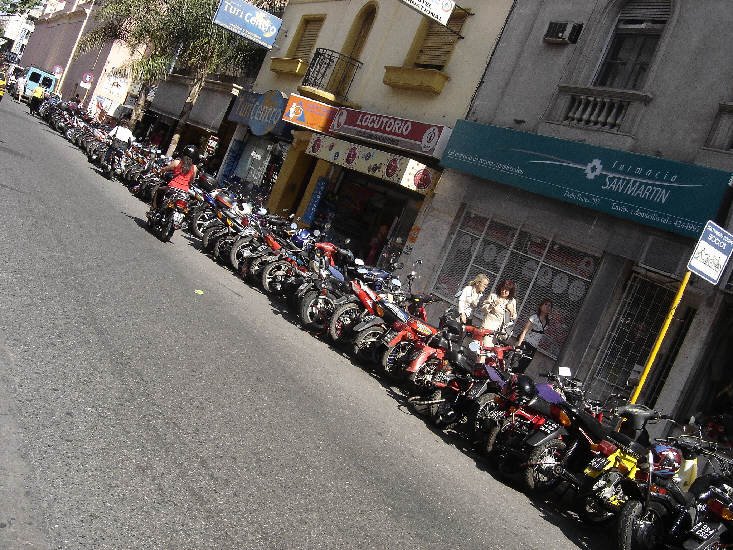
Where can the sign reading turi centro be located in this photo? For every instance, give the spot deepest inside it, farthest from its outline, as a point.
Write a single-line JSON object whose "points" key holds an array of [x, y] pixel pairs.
{"points": [[248, 21], [440, 10], [651, 191], [400, 133], [262, 113], [403, 171]]}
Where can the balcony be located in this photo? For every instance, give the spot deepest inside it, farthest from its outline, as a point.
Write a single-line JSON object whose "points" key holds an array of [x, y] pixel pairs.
{"points": [[410, 78], [602, 109], [329, 77]]}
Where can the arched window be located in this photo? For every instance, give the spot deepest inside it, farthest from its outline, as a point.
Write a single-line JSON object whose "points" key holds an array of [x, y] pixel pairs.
{"points": [[359, 32], [630, 54]]}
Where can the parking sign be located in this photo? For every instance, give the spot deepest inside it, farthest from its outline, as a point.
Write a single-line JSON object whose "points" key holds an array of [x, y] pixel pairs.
{"points": [[711, 253]]}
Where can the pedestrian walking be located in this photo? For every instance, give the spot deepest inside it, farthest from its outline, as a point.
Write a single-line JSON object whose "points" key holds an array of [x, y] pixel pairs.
{"points": [[20, 85], [500, 309], [534, 328], [36, 99]]}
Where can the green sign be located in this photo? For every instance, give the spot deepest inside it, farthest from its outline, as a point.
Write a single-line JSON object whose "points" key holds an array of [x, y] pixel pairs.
{"points": [[661, 193]]}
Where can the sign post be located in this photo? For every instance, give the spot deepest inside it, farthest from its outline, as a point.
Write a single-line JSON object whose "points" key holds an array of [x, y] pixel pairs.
{"points": [[708, 260]]}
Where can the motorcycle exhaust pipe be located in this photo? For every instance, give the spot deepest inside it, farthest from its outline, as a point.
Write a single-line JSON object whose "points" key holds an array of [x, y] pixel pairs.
{"points": [[416, 400]]}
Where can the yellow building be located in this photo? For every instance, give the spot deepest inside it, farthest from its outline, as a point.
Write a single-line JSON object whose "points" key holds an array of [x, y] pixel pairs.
{"points": [[373, 88]]}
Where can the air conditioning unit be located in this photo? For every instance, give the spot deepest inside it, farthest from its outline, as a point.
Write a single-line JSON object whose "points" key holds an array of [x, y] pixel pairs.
{"points": [[563, 32]]}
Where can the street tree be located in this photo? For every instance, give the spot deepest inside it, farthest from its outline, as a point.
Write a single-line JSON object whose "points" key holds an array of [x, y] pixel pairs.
{"points": [[12, 7], [176, 36]]}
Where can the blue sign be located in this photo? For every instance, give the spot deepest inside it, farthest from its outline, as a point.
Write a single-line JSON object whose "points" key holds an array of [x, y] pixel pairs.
{"points": [[652, 191], [263, 113], [248, 21], [712, 253], [229, 165], [310, 211]]}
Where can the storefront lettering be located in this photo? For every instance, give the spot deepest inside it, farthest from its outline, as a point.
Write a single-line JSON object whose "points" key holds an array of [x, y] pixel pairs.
{"points": [[635, 188], [640, 171], [387, 124]]}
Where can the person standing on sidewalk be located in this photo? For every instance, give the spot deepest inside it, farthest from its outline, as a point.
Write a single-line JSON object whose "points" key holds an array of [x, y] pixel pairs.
{"points": [[20, 87], [534, 328]]}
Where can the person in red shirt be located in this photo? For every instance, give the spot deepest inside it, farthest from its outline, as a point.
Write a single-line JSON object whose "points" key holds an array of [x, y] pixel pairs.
{"points": [[184, 172]]}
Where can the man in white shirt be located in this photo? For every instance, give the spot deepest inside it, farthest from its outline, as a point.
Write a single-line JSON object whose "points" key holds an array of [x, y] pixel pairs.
{"points": [[121, 137]]}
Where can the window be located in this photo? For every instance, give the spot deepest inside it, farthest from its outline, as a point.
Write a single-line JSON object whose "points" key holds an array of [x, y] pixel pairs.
{"points": [[631, 52], [35, 77], [438, 43], [307, 35], [540, 266]]}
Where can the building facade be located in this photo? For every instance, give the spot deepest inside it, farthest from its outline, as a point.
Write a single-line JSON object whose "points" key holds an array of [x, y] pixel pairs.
{"points": [[94, 76], [596, 147], [370, 90]]}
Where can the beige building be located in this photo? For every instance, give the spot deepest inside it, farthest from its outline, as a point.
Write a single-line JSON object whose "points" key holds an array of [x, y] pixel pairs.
{"points": [[93, 75], [370, 90]]}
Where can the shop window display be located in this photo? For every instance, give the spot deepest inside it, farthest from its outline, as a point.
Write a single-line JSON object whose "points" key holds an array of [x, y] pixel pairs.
{"points": [[539, 266]]}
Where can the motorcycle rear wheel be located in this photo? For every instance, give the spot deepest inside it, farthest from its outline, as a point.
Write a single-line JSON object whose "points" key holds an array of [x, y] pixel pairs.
{"points": [[273, 275], [342, 321], [539, 475], [211, 235], [235, 254], [314, 311], [200, 221], [366, 345], [391, 360]]}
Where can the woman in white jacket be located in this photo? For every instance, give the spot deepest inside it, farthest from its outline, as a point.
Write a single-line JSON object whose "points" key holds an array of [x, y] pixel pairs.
{"points": [[470, 296]]}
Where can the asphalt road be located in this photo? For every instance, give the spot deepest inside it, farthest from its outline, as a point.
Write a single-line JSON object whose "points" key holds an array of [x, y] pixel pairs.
{"points": [[137, 413]]}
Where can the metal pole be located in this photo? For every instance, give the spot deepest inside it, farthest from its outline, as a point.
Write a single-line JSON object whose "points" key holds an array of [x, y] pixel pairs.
{"points": [[660, 338]]}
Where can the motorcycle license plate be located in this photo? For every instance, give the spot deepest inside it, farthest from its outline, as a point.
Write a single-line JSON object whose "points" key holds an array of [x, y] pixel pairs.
{"points": [[177, 217], [598, 463], [703, 531]]}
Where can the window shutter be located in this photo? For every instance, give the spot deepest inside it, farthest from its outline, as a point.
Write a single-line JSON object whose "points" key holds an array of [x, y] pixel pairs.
{"points": [[647, 10], [311, 28], [439, 42]]}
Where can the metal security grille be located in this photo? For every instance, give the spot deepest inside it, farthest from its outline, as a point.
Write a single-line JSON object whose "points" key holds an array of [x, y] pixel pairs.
{"points": [[637, 322], [539, 266]]}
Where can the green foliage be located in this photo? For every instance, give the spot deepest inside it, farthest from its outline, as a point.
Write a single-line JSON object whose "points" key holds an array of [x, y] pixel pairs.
{"points": [[175, 32], [17, 6]]}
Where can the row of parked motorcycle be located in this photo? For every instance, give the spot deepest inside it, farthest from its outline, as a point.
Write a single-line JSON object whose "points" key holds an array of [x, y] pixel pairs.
{"points": [[548, 436]]}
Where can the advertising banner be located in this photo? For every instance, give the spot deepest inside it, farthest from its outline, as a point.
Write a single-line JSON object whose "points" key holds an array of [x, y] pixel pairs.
{"points": [[403, 171], [307, 113], [400, 133], [661, 193], [248, 21], [440, 10], [262, 113]]}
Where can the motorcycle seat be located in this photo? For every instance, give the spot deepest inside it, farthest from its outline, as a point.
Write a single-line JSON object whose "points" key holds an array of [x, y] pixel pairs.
{"points": [[595, 428], [626, 442]]}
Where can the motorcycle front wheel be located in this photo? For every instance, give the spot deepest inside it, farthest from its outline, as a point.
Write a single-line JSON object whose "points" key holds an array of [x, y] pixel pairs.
{"points": [[366, 345], [539, 474], [392, 360], [236, 253], [344, 319], [639, 529], [274, 274], [316, 310]]}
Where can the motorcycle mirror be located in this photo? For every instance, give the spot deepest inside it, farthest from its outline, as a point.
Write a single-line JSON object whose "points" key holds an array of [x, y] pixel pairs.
{"points": [[293, 225], [413, 275], [564, 372], [396, 282], [358, 261], [291, 217], [317, 233], [347, 241], [474, 346], [262, 211]]}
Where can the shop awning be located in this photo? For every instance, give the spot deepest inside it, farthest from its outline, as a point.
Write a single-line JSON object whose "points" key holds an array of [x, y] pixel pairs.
{"points": [[207, 113]]}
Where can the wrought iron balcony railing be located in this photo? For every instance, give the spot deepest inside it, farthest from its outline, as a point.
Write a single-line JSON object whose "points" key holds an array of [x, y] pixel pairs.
{"points": [[331, 72]]}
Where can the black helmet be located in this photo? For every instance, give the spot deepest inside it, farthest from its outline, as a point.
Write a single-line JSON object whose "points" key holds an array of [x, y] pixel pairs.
{"points": [[191, 152], [520, 388]]}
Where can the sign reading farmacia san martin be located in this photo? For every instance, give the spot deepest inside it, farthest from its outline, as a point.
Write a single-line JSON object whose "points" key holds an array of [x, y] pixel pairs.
{"points": [[440, 10], [652, 191]]}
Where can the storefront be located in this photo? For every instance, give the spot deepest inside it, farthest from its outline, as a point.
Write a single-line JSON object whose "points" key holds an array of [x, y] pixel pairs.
{"points": [[605, 234], [369, 195], [260, 143]]}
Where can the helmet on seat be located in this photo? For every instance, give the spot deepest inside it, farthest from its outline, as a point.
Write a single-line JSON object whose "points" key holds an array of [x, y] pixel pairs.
{"points": [[667, 460], [520, 389], [300, 238]]}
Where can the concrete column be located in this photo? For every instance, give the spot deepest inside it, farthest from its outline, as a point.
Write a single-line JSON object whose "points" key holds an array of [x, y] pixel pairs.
{"points": [[321, 169], [292, 173]]}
